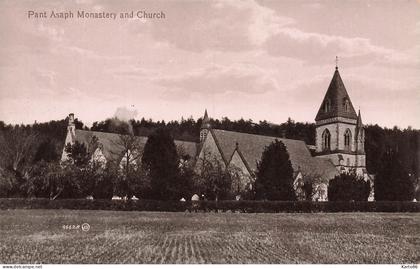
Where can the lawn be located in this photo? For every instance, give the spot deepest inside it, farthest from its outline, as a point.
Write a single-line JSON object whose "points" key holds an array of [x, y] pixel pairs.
{"points": [[38, 236]]}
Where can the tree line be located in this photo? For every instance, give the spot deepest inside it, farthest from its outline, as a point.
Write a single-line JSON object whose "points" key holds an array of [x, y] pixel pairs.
{"points": [[31, 150]]}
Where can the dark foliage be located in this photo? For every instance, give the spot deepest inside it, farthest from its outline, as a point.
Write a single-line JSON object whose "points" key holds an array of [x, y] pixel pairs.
{"points": [[161, 162], [48, 144], [348, 187], [47, 151], [7, 182], [405, 144], [393, 183], [113, 125], [77, 154], [189, 129], [275, 174], [187, 179], [104, 184], [51, 139], [308, 189]]}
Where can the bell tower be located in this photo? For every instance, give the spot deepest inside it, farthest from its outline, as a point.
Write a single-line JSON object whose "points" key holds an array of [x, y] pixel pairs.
{"points": [[339, 130]]}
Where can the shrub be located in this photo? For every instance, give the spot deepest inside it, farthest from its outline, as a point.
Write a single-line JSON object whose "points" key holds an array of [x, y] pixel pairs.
{"points": [[348, 187]]}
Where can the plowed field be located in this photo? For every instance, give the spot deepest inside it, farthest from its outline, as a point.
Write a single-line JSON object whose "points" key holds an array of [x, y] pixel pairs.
{"points": [[56, 236]]}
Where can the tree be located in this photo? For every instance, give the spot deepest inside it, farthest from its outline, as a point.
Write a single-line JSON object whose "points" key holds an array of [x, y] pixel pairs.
{"points": [[187, 174], [104, 182], [77, 154], [130, 174], [212, 178], [241, 183], [78, 175], [392, 182], [18, 147], [348, 187], [7, 182], [45, 180], [275, 174], [160, 160]]}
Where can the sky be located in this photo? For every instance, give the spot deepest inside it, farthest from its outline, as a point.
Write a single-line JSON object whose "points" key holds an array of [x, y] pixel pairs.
{"points": [[259, 60]]}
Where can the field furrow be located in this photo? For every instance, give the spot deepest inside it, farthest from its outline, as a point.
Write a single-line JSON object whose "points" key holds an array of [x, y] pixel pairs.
{"points": [[36, 236]]}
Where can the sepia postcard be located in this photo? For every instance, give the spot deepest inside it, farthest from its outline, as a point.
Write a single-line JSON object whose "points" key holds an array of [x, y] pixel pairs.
{"points": [[209, 132]]}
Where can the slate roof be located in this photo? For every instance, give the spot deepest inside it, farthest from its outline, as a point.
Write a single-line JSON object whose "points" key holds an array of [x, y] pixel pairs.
{"points": [[252, 146], [112, 149], [337, 94]]}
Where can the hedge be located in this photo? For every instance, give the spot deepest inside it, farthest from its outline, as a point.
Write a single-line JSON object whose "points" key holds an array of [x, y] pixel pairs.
{"points": [[210, 206]]}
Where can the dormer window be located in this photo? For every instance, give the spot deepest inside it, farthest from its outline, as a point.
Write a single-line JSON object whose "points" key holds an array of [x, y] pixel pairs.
{"points": [[346, 105], [327, 105]]}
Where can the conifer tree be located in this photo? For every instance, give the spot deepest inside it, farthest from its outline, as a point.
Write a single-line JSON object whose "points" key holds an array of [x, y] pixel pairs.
{"points": [[275, 174], [161, 162]]}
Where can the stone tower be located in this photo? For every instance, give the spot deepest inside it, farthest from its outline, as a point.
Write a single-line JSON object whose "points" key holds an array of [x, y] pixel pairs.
{"points": [[205, 127], [339, 130]]}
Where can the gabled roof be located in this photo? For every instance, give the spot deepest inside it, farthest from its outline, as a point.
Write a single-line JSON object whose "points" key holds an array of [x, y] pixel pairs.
{"points": [[337, 96], [252, 146], [112, 149]]}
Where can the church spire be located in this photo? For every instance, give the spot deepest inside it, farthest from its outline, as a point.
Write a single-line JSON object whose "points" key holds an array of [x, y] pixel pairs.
{"points": [[360, 135], [205, 127], [206, 121], [336, 102], [359, 123]]}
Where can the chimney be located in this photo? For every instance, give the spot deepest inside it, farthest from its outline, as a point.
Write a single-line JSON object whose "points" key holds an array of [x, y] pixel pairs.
{"points": [[71, 119], [71, 127], [70, 137]]}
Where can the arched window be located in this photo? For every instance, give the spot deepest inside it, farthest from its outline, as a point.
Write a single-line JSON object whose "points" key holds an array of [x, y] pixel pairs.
{"points": [[347, 140], [327, 105], [326, 140]]}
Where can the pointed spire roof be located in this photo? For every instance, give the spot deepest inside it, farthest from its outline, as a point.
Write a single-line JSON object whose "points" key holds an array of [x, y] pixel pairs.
{"points": [[336, 102], [359, 120], [359, 125], [206, 121]]}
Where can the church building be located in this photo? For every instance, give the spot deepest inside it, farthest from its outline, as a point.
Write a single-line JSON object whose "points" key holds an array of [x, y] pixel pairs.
{"points": [[339, 145]]}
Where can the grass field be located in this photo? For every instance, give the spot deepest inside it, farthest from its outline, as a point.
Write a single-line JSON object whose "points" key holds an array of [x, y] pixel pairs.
{"points": [[38, 236]]}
